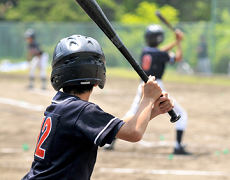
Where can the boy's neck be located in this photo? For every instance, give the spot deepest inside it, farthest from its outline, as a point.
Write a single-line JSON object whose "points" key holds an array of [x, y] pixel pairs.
{"points": [[84, 96]]}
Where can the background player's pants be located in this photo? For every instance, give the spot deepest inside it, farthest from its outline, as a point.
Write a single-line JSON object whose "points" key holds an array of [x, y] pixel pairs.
{"points": [[41, 63], [204, 66], [180, 125]]}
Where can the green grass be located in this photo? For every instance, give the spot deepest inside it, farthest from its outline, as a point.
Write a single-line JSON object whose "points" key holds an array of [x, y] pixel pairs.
{"points": [[127, 73], [173, 76], [169, 76]]}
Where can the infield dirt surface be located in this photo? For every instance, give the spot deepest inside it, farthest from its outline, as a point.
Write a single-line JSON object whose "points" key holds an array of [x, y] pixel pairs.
{"points": [[207, 135]]}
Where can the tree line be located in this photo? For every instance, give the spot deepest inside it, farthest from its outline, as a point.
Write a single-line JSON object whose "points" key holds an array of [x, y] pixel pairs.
{"points": [[115, 10]]}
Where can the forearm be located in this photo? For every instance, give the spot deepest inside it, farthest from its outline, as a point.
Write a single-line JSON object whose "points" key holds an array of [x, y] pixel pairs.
{"points": [[168, 47], [136, 125], [179, 54]]}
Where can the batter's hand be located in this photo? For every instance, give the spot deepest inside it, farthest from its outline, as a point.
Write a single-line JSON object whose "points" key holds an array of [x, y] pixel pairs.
{"points": [[162, 105], [151, 89], [179, 35]]}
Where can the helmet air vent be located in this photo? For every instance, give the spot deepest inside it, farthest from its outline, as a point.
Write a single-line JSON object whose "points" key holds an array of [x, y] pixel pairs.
{"points": [[73, 46]]}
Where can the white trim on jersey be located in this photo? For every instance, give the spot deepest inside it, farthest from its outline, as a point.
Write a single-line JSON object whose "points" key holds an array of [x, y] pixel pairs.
{"points": [[103, 130], [58, 102]]}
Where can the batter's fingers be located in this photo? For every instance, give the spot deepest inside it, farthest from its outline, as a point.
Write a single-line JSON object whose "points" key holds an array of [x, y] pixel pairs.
{"points": [[171, 106], [167, 108], [179, 34], [165, 94], [152, 78], [167, 105]]}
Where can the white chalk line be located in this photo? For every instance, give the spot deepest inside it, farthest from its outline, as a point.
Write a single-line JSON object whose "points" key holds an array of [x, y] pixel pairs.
{"points": [[155, 144], [145, 143], [27, 105], [10, 150], [164, 172], [21, 104]]}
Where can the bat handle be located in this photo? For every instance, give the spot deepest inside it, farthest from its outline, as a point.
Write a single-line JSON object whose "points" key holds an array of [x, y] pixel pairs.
{"points": [[174, 117]]}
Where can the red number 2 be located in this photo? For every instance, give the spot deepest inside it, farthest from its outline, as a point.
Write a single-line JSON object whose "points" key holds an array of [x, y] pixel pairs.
{"points": [[40, 152]]}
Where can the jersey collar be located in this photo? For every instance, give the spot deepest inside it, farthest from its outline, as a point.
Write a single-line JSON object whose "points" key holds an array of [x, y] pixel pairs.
{"points": [[61, 97], [151, 49]]}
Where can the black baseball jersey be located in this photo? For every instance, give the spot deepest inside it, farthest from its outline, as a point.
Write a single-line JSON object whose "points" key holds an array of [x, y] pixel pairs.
{"points": [[71, 132], [153, 61], [34, 49]]}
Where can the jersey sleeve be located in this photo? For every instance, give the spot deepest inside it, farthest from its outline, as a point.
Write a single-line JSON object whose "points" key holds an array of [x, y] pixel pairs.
{"points": [[165, 57], [98, 126], [170, 56]]}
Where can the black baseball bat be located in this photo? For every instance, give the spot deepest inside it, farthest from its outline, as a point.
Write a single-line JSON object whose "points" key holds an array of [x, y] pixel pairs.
{"points": [[159, 15], [97, 15]]}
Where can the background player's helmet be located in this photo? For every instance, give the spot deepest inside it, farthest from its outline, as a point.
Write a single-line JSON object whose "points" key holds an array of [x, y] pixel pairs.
{"points": [[29, 33], [154, 35], [78, 60]]}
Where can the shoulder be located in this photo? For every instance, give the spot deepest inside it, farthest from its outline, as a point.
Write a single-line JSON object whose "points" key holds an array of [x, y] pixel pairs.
{"points": [[155, 52]]}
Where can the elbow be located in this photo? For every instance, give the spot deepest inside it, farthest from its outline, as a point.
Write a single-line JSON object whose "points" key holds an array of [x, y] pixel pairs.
{"points": [[178, 59], [136, 136]]}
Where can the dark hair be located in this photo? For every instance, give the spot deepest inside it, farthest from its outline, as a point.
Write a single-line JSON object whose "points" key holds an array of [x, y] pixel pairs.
{"points": [[152, 44], [78, 89]]}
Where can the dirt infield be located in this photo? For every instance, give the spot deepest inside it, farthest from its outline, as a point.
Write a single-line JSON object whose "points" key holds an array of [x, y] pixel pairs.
{"points": [[207, 135]]}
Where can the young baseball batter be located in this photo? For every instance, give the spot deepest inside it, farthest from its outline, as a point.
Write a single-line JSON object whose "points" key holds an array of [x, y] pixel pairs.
{"points": [[153, 62], [37, 58], [72, 127]]}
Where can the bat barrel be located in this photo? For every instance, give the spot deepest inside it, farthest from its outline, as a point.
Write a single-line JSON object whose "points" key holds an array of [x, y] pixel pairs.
{"points": [[133, 63], [159, 15]]}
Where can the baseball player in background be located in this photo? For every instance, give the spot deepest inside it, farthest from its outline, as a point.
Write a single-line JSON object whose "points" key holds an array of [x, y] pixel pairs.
{"points": [[204, 65], [73, 127], [153, 62], [37, 59]]}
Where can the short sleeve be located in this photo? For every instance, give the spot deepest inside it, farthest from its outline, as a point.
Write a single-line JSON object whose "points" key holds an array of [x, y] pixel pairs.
{"points": [[96, 125], [171, 57]]}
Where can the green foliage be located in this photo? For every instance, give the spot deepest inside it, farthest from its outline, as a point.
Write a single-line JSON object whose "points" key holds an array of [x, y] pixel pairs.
{"points": [[145, 14], [51, 10], [200, 12], [225, 16], [62, 11], [31, 10], [26, 10], [223, 63], [222, 43], [190, 10]]}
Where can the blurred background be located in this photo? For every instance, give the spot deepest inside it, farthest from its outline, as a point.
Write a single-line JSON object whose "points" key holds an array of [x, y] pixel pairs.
{"points": [[204, 96], [52, 20]]}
